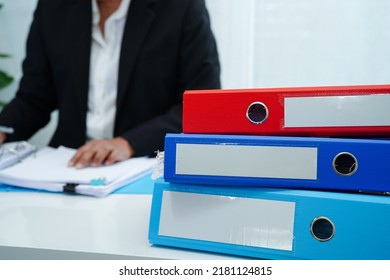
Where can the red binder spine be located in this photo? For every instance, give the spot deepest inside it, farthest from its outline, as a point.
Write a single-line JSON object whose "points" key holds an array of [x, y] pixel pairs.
{"points": [[307, 111]]}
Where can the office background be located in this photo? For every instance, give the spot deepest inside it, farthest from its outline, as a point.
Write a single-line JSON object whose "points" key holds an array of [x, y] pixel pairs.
{"points": [[262, 43]]}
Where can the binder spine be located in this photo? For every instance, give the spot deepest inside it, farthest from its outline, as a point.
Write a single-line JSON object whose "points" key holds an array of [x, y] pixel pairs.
{"points": [[323, 111], [304, 224], [297, 162]]}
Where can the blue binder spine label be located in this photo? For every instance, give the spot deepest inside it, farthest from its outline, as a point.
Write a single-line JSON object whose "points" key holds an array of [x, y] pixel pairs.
{"points": [[247, 161], [229, 220]]}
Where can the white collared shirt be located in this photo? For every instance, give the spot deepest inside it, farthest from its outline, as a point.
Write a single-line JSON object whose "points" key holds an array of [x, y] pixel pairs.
{"points": [[104, 67]]}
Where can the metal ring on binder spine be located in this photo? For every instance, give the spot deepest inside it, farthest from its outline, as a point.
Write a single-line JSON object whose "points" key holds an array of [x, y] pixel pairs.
{"points": [[322, 229], [345, 164], [257, 112]]}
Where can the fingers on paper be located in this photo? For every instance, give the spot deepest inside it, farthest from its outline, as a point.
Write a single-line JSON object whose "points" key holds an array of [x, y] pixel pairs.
{"points": [[98, 152]]}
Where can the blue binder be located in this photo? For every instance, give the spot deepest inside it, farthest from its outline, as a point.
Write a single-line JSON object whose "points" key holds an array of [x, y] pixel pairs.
{"points": [[276, 161], [270, 223]]}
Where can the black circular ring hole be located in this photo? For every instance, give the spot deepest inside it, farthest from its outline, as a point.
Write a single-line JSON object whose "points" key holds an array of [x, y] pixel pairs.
{"points": [[345, 164], [322, 229], [257, 113]]}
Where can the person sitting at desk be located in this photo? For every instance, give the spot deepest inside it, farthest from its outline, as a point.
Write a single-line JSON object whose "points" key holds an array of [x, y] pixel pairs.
{"points": [[115, 70]]}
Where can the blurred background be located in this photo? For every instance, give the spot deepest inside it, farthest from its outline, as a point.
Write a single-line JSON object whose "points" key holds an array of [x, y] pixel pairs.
{"points": [[262, 43]]}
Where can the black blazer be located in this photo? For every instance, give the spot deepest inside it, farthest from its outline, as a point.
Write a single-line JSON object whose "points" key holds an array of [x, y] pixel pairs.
{"points": [[167, 47]]}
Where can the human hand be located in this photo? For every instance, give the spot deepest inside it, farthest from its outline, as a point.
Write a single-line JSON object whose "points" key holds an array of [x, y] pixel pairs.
{"points": [[101, 152], [3, 136]]}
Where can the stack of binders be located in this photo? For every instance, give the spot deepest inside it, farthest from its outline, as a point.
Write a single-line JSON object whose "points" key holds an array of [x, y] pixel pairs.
{"points": [[287, 173]]}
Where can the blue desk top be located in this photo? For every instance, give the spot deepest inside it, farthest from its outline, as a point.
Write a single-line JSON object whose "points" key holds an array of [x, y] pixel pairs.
{"points": [[141, 186]]}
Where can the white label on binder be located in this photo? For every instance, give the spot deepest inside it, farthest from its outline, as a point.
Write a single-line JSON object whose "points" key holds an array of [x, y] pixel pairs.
{"points": [[232, 220], [247, 161], [334, 111]]}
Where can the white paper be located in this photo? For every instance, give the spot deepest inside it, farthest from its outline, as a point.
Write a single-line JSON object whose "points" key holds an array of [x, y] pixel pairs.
{"points": [[48, 170]]}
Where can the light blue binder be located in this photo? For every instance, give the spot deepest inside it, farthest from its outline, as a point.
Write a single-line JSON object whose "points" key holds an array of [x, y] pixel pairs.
{"points": [[276, 161], [270, 223]]}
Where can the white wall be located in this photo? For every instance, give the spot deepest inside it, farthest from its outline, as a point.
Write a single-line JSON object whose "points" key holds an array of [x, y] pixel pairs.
{"points": [[276, 43], [265, 43], [233, 23]]}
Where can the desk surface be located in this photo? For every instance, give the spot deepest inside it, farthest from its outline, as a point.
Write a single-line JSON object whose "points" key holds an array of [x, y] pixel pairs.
{"points": [[59, 226]]}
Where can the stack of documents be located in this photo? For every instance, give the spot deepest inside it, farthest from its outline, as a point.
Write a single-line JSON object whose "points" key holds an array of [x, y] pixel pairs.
{"points": [[266, 156], [47, 169]]}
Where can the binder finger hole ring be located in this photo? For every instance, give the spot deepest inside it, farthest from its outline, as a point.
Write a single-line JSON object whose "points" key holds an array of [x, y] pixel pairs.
{"points": [[345, 164], [322, 229], [257, 112]]}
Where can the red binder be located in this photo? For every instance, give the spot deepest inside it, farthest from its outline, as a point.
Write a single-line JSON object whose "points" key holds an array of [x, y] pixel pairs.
{"points": [[362, 110]]}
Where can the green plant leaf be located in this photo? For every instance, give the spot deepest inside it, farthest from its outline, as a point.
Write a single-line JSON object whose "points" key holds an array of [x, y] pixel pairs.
{"points": [[4, 55], [5, 79], [3, 104]]}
